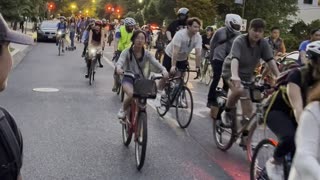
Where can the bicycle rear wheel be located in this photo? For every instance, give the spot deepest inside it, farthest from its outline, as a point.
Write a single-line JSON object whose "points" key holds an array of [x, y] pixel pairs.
{"points": [[141, 136], [261, 155], [184, 107]]}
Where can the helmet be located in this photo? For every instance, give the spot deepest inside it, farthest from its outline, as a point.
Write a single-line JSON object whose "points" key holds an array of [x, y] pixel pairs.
{"points": [[183, 11], [129, 21], [98, 22], [313, 50], [62, 17], [233, 22], [104, 20]]}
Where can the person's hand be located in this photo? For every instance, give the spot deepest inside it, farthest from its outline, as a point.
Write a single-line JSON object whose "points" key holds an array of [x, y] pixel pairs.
{"points": [[165, 74], [173, 69], [236, 81], [120, 71]]}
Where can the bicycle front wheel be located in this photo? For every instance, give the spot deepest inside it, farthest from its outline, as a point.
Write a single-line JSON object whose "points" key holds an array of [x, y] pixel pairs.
{"points": [[127, 130], [59, 48], [261, 155], [141, 136], [184, 107]]}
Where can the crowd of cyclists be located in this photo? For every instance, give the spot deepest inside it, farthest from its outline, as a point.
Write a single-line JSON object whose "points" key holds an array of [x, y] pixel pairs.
{"points": [[234, 58]]}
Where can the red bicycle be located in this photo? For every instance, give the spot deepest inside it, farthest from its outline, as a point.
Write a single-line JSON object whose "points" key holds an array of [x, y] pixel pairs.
{"points": [[136, 120]]}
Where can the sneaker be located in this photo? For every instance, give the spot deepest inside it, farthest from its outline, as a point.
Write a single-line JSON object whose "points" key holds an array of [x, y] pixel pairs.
{"points": [[86, 76], [226, 118], [274, 171], [182, 102], [121, 114], [62, 50], [114, 89], [101, 66]]}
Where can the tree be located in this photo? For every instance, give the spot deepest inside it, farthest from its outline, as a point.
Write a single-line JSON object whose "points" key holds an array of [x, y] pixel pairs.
{"points": [[151, 15], [201, 9]]}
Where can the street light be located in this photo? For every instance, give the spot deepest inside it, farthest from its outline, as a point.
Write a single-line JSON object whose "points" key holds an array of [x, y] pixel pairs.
{"points": [[140, 1], [93, 1]]}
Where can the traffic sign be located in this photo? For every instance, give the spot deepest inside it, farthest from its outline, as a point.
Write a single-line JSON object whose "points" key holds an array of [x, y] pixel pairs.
{"points": [[244, 25]]}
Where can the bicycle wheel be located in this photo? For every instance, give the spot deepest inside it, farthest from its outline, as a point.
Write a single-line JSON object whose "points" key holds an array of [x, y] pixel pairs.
{"points": [[141, 136], [127, 130], [59, 48], [255, 135], [165, 104], [261, 155], [184, 107], [208, 75], [223, 137]]}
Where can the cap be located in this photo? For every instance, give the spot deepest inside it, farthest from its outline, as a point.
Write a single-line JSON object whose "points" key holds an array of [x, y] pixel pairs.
{"points": [[6, 34]]}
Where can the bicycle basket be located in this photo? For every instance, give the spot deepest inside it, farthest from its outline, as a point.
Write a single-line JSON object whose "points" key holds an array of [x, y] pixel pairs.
{"points": [[145, 88]]}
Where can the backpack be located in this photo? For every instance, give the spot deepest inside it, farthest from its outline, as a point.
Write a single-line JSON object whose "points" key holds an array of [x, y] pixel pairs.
{"points": [[281, 88], [11, 147]]}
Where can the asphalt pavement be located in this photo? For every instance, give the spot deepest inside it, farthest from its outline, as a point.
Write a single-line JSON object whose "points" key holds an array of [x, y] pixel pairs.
{"points": [[75, 134]]}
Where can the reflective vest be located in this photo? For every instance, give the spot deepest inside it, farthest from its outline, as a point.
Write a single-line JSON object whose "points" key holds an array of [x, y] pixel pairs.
{"points": [[125, 39]]}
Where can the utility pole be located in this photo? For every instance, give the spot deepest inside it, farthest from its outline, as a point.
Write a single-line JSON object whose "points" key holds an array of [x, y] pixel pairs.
{"points": [[243, 8]]}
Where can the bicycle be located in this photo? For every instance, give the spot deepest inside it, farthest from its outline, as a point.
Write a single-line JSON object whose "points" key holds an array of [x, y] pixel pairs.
{"points": [[136, 119], [60, 42], [176, 93], [93, 64], [206, 69], [247, 128], [257, 169]]}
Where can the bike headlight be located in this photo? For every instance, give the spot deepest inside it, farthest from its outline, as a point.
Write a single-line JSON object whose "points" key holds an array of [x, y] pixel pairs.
{"points": [[59, 32], [93, 51]]}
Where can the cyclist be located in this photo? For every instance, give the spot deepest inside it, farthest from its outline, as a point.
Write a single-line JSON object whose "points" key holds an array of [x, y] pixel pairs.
{"points": [[314, 36], [96, 39], [73, 30], [161, 43], [178, 24], [276, 43], [62, 27], [239, 66], [284, 114], [139, 61], [178, 50], [205, 44], [123, 40], [85, 37], [220, 46]]}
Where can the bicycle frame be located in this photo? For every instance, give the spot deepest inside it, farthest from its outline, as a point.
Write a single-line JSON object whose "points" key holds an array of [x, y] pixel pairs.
{"points": [[137, 105]]}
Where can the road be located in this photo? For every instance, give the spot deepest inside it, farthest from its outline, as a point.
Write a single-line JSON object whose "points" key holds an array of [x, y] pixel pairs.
{"points": [[74, 133]]}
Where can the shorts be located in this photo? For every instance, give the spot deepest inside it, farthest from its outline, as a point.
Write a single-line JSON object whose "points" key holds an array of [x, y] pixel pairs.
{"points": [[127, 80], [167, 63]]}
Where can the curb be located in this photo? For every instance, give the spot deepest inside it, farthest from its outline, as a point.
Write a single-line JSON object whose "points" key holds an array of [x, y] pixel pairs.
{"points": [[19, 56]]}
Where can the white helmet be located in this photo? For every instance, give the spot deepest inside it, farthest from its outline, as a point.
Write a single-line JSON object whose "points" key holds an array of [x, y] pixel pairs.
{"points": [[233, 22], [129, 21], [313, 50]]}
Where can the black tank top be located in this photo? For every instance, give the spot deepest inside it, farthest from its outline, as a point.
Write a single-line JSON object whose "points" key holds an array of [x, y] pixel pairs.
{"points": [[96, 36]]}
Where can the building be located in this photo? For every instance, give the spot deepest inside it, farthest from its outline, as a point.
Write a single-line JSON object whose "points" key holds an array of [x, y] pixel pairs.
{"points": [[309, 10]]}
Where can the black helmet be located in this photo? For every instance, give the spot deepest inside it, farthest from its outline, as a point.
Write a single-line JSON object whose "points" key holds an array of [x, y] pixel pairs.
{"points": [[183, 11]]}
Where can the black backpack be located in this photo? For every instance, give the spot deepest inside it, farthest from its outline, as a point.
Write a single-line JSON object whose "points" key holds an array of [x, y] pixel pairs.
{"points": [[11, 147]]}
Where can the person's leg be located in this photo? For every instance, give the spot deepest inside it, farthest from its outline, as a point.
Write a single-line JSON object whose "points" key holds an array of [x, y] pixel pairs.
{"points": [[217, 70], [127, 86], [72, 38], [167, 64], [284, 127], [85, 49]]}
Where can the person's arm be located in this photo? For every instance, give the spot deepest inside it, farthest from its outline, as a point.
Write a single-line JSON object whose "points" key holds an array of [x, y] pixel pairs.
{"points": [[302, 52], [175, 53], [217, 37], [198, 57], [121, 61], [90, 39], [307, 142], [168, 32], [235, 59], [155, 63], [295, 99], [273, 67], [283, 47]]}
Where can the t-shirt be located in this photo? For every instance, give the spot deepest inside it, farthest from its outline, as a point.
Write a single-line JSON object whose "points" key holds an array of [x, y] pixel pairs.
{"points": [[62, 26], [175, 26], [186, 44], [205, 41], [303, 47], [248, 57]]}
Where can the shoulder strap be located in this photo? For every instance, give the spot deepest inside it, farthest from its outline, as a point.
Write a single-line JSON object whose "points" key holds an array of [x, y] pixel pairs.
{"points": [[131, 53], [9, 140]]}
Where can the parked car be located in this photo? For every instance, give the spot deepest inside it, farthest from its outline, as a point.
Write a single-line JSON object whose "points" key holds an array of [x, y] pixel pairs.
{"points": [[47, 30]]}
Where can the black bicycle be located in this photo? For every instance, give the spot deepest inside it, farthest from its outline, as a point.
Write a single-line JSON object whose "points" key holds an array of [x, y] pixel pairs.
{"points": [[178, 95], [92, 63]]}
